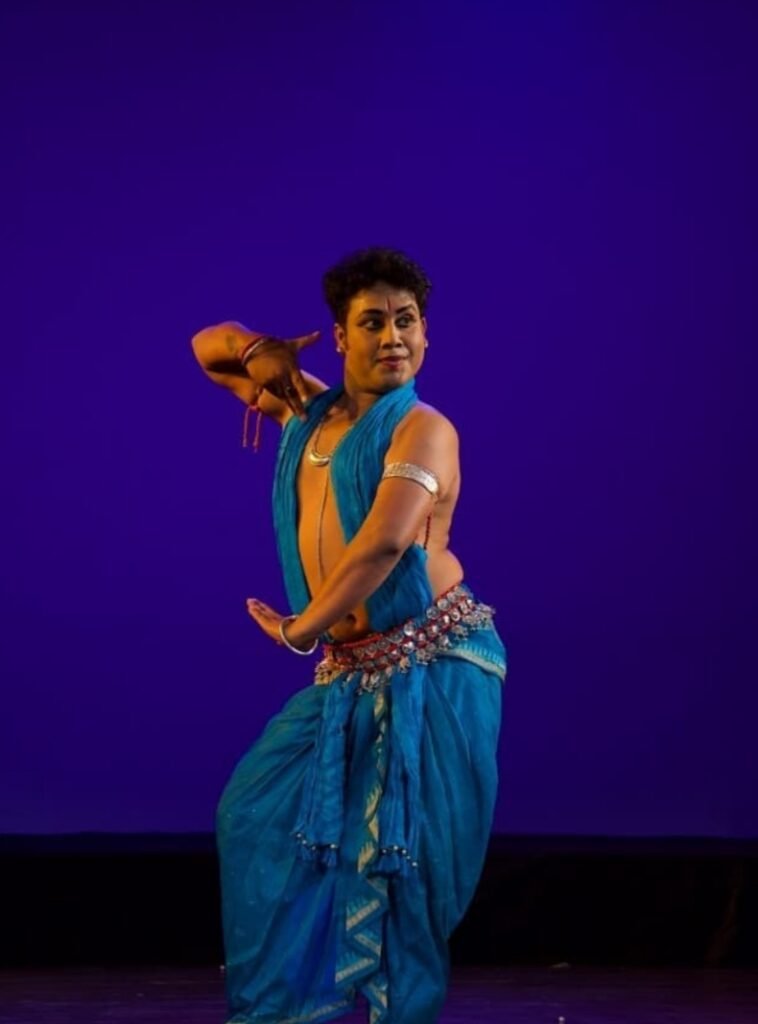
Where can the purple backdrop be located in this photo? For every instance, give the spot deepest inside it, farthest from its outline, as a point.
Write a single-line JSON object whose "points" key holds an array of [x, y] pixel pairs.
{"points": [[579, 181]]}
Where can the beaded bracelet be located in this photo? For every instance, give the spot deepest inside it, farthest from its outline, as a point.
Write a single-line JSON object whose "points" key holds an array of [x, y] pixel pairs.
{"points": [[249, 350]]}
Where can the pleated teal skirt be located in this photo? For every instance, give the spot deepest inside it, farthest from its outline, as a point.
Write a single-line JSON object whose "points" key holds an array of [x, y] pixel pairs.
{"points": [[304, 940]]}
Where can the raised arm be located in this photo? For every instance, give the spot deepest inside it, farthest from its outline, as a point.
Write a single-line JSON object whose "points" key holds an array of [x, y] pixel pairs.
{"points": [[270, 379], [426, 439]]}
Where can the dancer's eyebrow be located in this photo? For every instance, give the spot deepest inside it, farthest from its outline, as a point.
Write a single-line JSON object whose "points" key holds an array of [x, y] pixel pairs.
{"points": [[383, 312]]}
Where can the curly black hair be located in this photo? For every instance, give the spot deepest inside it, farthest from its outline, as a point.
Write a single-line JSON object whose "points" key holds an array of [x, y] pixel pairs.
{"points": [[365, 268]]}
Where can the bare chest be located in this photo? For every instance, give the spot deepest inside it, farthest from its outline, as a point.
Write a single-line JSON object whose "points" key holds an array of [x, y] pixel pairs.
{"points": [[321, 539]]}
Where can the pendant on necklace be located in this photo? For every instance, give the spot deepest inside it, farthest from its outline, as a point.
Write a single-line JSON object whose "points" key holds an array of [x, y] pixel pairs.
{"points": [[317, 459]]}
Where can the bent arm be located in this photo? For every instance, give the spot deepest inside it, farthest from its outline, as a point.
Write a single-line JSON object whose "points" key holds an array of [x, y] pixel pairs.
{"points": [[394, 521], [218, 349]]}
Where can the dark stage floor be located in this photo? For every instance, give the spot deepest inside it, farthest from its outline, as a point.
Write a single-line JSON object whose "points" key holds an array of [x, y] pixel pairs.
{"points": [[493, 996]]}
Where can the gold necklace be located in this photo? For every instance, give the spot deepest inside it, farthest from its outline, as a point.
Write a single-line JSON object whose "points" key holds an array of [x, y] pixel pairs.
{"points": [[319, 529], [321, 459]]}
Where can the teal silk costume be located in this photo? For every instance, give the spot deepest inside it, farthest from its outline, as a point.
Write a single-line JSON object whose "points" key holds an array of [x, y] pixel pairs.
{"points": [[352, 834]]}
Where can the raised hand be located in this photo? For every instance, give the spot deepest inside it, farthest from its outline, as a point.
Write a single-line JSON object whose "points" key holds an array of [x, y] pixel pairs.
{"points": [[265, 617], [273, 366]]}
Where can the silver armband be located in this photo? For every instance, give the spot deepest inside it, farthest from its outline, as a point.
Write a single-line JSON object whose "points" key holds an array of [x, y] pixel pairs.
{"points": [[410, 471]]}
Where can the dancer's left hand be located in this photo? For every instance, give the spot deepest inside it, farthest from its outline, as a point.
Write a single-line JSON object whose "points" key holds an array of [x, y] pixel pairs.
{"points": [[266, 617]]}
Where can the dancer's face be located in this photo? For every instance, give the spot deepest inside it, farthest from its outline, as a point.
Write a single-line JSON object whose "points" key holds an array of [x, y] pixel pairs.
{"points": [[383, 339]]}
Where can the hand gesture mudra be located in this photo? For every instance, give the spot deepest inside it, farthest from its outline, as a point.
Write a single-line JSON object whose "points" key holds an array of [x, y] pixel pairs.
{"points": [[273, 367]]}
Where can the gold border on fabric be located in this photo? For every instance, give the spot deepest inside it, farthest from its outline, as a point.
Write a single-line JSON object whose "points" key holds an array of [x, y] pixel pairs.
{"points": [[481, 661], [353, 968], [363, 913]]}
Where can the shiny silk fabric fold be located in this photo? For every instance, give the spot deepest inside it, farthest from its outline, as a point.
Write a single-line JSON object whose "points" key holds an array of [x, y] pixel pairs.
{"points": [[356, 470], [309, 925]]}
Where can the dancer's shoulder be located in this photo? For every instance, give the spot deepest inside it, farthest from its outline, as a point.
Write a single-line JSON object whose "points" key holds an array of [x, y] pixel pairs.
{"points": [[427, 420]]}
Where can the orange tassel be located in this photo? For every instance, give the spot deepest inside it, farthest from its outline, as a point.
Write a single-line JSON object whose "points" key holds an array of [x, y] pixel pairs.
{"points": [[258, 425], [245, 427]]}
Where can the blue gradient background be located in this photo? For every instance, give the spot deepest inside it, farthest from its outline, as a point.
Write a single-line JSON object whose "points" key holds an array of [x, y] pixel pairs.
{"points": [[580, 181]]}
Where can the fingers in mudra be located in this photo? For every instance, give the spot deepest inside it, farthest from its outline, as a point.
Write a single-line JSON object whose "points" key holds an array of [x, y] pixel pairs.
{"points": [[265, 617], [305, 340], [286, 390], [299, 382]]}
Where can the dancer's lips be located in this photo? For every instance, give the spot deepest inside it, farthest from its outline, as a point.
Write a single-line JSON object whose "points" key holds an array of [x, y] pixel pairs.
{"points": [[393, 361]]}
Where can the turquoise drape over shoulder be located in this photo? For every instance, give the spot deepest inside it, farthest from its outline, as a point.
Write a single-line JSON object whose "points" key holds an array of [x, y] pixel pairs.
{"points": [[356, 470], [352, 834]]}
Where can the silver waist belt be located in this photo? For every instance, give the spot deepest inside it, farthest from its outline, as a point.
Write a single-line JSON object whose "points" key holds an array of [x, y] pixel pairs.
{"points": [[378, 656]]}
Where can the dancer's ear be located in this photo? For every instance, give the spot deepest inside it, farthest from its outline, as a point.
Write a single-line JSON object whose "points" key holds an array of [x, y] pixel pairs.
{"points": [[339, 337]]}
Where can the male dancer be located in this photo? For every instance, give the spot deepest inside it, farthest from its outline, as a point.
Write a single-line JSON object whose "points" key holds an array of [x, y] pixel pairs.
{"points": [[352, 834]]}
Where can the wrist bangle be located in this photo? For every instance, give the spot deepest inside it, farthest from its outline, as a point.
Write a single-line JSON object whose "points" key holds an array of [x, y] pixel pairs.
{"points": [[285, 641], [249, 350]]}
